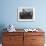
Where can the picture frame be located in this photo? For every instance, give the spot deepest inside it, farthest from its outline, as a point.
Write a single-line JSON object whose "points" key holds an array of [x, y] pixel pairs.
{"points": [[26, 14]]}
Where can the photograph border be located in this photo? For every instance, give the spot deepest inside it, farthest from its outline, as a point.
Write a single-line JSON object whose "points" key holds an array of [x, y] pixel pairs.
{"points": [[20, 8]]}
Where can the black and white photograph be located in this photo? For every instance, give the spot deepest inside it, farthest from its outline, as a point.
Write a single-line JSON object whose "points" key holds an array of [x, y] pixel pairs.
{"points": [[26, 14]]}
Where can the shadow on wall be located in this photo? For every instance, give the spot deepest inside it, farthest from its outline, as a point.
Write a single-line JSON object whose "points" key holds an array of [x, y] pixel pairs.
{"points": [[2, 26]]}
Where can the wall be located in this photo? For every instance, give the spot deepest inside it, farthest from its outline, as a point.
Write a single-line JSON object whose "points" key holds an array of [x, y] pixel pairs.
{"points": [[9, 13]]}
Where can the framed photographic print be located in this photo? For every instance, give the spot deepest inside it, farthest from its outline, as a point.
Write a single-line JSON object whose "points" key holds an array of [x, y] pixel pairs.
{"points": [[26, 14]]}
